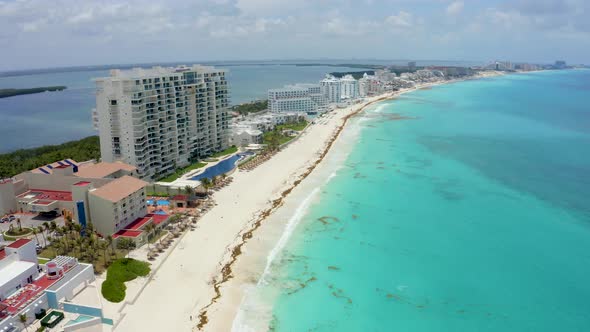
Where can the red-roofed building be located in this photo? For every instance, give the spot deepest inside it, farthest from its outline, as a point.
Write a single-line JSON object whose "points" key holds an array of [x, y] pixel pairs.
{"points": [[139, 223], [180, 201], [18, 243], [159, 220], [135, 235]]}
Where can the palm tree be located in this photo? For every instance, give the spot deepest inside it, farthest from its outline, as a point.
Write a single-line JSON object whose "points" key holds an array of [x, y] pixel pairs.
{"points": [[110, 243], [35, 231], [50, 239], [206, 183], [189, 190], [104, 246], [46, 228], [23, 320], [125, 244], [90, 228], [149, 228]]}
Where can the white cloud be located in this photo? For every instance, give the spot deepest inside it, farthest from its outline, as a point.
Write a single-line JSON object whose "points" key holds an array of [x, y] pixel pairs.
{"points": [[455, 8], [401, 20]]}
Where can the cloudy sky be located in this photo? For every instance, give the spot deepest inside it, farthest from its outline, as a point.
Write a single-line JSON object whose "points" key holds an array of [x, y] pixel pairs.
{"points": [[42, 33]]}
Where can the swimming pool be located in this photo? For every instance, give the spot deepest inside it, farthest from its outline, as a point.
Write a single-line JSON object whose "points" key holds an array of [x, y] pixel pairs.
{"points": [[221, 167], [161, 202], [79, 319]]}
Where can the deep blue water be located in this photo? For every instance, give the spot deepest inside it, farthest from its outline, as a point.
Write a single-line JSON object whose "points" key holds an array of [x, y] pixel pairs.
{"points": [[56, 117], [472, 214], [222, 167]]}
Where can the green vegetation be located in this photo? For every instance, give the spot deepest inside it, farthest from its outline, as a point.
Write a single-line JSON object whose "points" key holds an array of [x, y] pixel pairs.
{"points": [[42, 260], [16, 92], [155, 194], [275, 138], [181, 171], [297, 126], [86, 245], [121, 271], [16, 231], [19, 161], [252, 107], [230, 150]]}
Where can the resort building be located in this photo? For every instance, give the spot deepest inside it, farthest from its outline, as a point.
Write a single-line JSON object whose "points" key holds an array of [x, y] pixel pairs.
{"points": [[330, 87], [304, 98], [105, 194], [245, 136], [117, 204], [31, 289], [370, 85], [159, 119], [349, 88]]}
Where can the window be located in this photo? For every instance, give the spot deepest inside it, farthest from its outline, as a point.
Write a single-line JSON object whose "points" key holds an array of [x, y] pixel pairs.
{"points": [[114, 102]]}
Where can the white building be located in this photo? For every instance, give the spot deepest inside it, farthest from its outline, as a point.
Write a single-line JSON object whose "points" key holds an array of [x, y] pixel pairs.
{"points": [[330, 87], [349, 88], [28, 288], [385, 75], [158, 119], [246, 136], [306, 98], [370, 85]]}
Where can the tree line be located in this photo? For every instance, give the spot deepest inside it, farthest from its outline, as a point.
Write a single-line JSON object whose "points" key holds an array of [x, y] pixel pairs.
{"points": [[16, 162]]}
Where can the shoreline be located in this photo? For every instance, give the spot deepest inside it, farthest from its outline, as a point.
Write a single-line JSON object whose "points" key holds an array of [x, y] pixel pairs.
{"points": [[275, 204], [200, 277], [230, 281]]}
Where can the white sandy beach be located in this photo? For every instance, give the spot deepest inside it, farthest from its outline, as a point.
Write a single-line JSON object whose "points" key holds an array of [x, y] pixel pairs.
{"points": [[183, 285]]}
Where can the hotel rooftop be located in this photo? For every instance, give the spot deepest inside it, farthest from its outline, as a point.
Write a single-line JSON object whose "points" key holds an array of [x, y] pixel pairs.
{"points": [[103, 169], [118, 189]]}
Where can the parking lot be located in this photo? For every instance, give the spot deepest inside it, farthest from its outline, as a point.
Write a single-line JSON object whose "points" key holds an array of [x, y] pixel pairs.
{"points": [[30, 220]]}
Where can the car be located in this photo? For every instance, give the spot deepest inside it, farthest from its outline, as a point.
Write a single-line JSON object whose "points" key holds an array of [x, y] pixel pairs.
{"points": [[11, 218], [4, 220]]}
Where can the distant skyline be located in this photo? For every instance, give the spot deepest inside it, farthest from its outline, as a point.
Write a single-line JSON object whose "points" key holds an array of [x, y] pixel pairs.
{"points": [[42, 34]]}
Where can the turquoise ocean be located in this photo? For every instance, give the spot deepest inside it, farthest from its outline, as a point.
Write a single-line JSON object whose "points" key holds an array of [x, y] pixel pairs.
{"points": [[471, 213]]}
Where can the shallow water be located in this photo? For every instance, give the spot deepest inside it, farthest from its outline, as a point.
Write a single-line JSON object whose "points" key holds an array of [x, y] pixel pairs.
{"points": [[470, 215]]}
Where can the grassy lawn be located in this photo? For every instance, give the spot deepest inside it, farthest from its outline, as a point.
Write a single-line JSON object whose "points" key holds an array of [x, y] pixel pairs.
{"points": [[231, 149], [121, 271], [181, 171], [43, 260], [299, 126], [266, 138]]}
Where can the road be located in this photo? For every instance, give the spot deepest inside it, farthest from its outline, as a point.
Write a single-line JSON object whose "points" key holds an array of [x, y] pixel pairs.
{"points": [[31, 220]]}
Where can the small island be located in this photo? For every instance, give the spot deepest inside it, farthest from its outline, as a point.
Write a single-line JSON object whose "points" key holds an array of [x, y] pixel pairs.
{"points": [[17, 92]]}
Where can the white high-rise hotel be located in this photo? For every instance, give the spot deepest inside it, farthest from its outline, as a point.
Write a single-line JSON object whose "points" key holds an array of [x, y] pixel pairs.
{"points": [[159, 119], [297, 98]]}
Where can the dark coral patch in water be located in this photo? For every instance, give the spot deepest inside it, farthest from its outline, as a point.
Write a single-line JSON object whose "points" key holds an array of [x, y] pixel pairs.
{"points": [[327, 220]]}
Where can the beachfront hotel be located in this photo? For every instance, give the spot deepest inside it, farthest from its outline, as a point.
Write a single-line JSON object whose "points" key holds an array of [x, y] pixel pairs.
{"points": [[305, 98], [108, 195], [331, 88], [159, 119], [349, 87]]}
